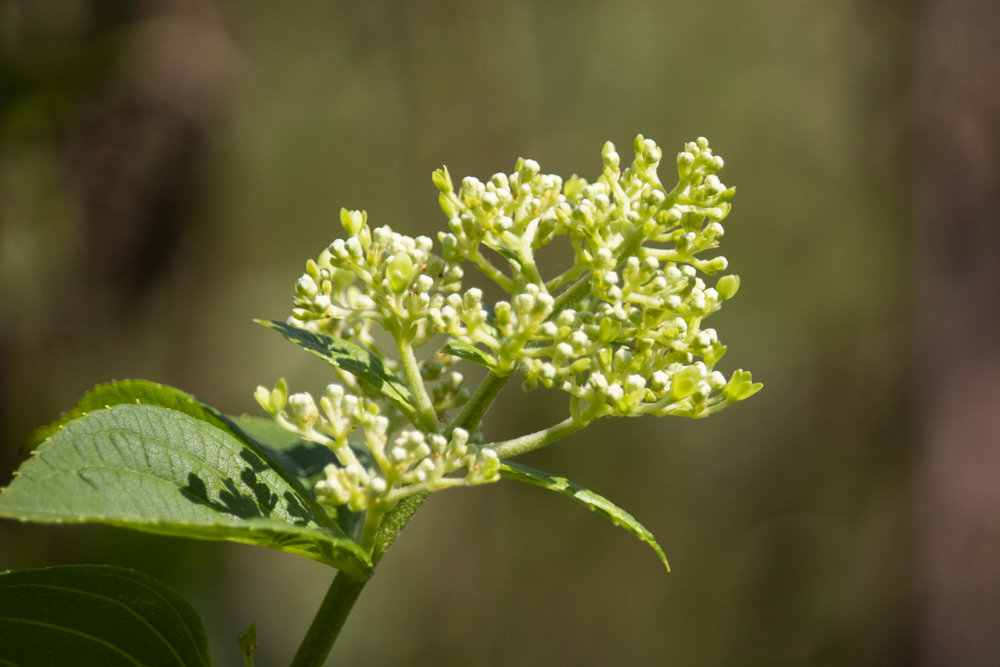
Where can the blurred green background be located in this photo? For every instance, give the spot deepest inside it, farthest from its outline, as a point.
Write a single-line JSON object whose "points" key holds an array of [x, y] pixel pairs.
{"points": [[167, 167]]}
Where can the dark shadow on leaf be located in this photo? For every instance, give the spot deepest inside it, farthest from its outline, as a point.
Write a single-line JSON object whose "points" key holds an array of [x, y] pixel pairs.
{"points": [[300, 515], [255, 461], [353, 523], [266, 498], [231, 499]]}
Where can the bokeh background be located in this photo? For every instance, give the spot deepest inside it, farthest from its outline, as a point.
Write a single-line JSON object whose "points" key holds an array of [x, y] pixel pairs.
{"points": [[167, 167]]}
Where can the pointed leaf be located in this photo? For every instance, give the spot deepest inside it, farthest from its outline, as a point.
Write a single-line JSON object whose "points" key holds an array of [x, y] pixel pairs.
{"points": [[96, 616], [591, 500], [143, 392], [470, 353], [158, 470], [352, 358]]}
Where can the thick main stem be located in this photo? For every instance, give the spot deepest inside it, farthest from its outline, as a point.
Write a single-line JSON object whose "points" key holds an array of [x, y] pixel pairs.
{"points": [[329, 620]]}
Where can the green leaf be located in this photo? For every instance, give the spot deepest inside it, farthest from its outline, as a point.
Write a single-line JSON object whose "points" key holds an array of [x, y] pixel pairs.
{"points": [[132, 392], [591, 500], [470, 353], [96, 616], [306, 460], [354, 359], [159, 470], [142, 392], [509, 255]]}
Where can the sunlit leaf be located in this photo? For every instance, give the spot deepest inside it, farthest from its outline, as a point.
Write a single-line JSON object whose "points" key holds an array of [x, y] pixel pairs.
{"points": [[143, 392], [163, 471]]}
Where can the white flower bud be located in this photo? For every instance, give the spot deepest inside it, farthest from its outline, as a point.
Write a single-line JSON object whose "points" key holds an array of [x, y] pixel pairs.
{"points": [[660, 381], [303, 410], [566, 318], [635, 384], [424, 283], [716, 380], [597, 382], [306, 286]]}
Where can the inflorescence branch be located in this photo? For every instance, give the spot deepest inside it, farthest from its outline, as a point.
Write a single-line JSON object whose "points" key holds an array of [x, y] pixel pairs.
{"points": [[623, 337]]}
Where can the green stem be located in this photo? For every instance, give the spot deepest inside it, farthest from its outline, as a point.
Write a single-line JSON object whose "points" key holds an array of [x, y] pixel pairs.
{"points": [[425, 408], [527, 443], [494, 274], [326, 625], [581, 288], [480, 401], [372, 521], [394, 522]]}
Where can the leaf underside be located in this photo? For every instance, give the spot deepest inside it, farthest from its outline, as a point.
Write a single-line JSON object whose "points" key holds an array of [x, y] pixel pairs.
{"points": [[160, 470], [96, 616], [352, 358], [589, 499], [469, 353]]}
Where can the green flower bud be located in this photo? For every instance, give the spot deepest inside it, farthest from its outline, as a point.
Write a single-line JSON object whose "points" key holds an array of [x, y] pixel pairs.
{"points": [[684, 383], [399, 270], [727, 286], [353, 221], [442, 180], [715, 265], [573, 187]]}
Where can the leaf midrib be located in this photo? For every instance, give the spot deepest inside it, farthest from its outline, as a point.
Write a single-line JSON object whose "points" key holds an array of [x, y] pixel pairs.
{"points": [[119, 603], [71, 631]]}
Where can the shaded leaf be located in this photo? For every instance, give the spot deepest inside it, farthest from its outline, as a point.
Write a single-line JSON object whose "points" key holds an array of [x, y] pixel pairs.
{"points": [[96, 616], [591, 500], [470, 353], [159, 470], [354, 359]]}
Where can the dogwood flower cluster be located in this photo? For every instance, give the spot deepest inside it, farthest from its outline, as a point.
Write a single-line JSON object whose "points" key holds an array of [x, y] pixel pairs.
{"points": [[620, 330], [409, 458]]}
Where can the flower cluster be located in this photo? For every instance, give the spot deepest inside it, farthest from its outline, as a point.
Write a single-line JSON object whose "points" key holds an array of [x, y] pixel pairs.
{"points": [[413, 459], [620, 330]]}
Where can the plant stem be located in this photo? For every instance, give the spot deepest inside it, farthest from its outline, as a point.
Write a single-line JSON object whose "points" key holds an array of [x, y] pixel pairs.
{"points": [[372, 521], [479, 402], [527, 443], [425, 408], [326, 625], [394, 522]]}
